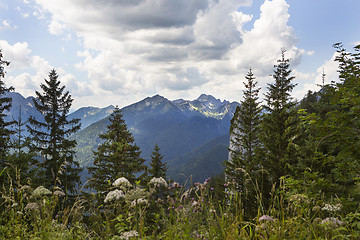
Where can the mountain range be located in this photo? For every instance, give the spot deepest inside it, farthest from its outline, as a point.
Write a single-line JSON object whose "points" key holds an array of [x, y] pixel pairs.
{"points": [[193, 136]]}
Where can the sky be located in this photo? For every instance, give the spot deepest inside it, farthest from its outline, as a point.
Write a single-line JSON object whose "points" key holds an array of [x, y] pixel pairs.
{"points": [[120, 51]]}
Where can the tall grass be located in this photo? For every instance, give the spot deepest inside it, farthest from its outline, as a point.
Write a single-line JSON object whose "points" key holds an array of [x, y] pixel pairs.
{"points": [[169, 211]]}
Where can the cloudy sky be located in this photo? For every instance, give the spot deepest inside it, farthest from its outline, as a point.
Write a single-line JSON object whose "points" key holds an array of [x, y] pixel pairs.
{"points": [[121, 51]]}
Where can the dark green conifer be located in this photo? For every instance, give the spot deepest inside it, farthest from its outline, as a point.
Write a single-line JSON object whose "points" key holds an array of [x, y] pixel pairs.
{"points": [[244, 166], [117, 157], [280, 123], [157, 167], [50, 137], [5, 105], [23, 163]]}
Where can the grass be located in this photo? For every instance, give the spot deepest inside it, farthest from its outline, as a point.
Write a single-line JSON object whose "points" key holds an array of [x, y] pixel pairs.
{"points": [[169, 211]]}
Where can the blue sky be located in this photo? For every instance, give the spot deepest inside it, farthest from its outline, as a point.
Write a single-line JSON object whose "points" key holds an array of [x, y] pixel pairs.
{"points": [[119, 52]]}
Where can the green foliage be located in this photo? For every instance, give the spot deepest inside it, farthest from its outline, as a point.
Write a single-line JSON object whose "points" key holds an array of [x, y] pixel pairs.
{"points": [[50, 138], [157, 167], [280, 123], [5, 105], [117, 157], [245, 168]]}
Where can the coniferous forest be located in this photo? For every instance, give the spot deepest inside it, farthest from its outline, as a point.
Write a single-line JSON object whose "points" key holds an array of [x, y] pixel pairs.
{"points": [[293, 170]]}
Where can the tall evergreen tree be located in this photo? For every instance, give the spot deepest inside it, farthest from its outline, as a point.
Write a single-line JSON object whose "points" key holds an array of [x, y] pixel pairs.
{"points": [[23, 162], [280, 123], [157, 167], [50, 138], [244, 165], [245, 130], [117, 157], [5, 105]]}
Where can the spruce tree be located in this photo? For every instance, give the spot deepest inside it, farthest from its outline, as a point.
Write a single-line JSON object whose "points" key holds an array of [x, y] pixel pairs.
{"points": [[117, 157], [244, 166], [23, 162], [5, 105], [50, 137], [157, 167], [280, 123]]}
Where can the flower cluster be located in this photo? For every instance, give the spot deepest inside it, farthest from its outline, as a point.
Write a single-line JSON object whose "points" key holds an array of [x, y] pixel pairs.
{"points": [[32, 206], [332, 208], [266, 218], [41, 191], [158, 182], [140, 201], [128, 235], [114, 195], [331, 221], [122, 182]]}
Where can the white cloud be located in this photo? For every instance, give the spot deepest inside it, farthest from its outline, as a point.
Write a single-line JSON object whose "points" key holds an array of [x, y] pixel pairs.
{"points": [[56, 28], [34, 70], [137, 48], [313, 81], [6, 25]]}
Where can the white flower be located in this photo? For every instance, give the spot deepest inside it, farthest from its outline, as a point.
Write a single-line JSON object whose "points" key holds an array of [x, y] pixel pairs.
{"points": [[32, 206], [266, 218], [122, 182], [139, 201], [332, 208], [114, 195], [333, 222], [195, 203], [59, 193], [40, 191], [128, 235], [158, 182]]}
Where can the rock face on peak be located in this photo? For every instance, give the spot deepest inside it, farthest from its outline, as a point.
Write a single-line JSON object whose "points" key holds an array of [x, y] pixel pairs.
{"points": [[208, 106]]}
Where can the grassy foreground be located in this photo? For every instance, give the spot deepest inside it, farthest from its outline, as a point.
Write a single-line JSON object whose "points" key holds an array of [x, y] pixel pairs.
{"points": [[162, 210]]}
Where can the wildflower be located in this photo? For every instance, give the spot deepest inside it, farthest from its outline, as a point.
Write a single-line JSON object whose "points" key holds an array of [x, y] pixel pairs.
{"points": [[136, 193], [158, 182], [41, 191], [266, 218], [114, 195], [128, 235], [139, 201], [298, 198], [212, 189], [206, 181], [122, 182], [59, 193], [194, 204], [332, 222], [332, 208], [32, 206]]}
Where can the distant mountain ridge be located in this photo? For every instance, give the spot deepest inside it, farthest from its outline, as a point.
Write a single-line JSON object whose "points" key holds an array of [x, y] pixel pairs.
{"points": [[186, 131], [192, 134]]}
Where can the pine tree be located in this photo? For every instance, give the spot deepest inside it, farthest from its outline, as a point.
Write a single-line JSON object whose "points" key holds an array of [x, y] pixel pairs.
{"points": [[245, 129], [23, 162], [117, 157], [157, 167], [244, 166], [5, 105], [280, 123], [50, 138]]}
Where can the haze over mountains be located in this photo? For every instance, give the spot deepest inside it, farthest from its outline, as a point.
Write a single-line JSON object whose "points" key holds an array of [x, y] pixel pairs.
{"points": [[193, 136]]}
